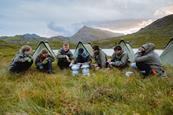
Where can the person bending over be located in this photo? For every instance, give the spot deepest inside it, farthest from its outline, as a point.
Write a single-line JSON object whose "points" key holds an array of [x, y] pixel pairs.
{"points": [[119, 58], [44, 61], [22, 61]]}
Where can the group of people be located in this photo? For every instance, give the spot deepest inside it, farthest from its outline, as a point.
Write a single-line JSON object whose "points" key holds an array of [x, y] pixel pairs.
{"points": [[146, 60]]}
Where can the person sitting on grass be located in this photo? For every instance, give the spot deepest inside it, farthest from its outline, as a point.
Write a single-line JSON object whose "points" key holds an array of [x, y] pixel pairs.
{"points": [[147, 61], [100, 57], [44, 61], [82, 61], [64, 57], [22, 61], [119, 58]]}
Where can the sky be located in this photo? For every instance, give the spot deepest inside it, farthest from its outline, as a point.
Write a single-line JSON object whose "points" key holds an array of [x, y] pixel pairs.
{"points": [[65, 17]]}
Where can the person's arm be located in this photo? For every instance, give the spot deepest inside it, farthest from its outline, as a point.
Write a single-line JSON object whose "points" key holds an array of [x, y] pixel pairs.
{"points": [[142, 58], [71, 57], [59, 55], [51, 58], [103, 59], [20, 58], [37, 61], [113, 57]]}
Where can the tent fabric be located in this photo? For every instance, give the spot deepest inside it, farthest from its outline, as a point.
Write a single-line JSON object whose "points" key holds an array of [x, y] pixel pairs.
{"points": [[128, 49], [167, 55], [87, 49], [43, 45]]}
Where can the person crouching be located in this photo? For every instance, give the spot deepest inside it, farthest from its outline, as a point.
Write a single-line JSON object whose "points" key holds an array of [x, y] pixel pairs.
{"points": [[22, 61], [64, 57], [82, 61], [119, 58], [100, 58], [44, 61], [147, 61]]}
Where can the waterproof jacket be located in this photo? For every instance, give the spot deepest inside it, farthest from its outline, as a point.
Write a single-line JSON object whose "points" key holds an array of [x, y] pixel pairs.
{"points": [[149, 57], [39, 61], [62, 55], [101, 59], [21, 62], [120, 60]]}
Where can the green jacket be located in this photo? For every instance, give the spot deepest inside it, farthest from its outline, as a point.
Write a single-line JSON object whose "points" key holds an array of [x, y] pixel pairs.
{"points": [[120, 60], [101, 59]]}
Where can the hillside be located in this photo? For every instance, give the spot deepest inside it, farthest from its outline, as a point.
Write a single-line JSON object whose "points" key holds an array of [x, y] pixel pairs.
{"points": [[158, 32], [87, 34], [20, 39]]}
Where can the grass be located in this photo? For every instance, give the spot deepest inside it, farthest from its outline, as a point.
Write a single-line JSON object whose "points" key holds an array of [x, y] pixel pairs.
{"points": [[104, 92]]}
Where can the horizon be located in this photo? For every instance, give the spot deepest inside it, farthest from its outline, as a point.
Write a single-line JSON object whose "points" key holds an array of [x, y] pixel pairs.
{"points": [[48, 18]]}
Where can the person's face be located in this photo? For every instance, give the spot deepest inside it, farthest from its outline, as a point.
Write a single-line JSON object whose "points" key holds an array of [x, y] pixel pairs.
{"points": [[66, 47], [45, 55], [118, 52], [28, 51], [141, 49]]}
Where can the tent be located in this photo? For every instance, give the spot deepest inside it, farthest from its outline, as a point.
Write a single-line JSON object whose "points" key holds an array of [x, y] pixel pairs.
{"points": [[87, 49], [167, 55], [43, 45], [128, 49]]}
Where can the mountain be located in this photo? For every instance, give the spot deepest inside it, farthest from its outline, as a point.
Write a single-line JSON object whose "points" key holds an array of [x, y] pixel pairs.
{"points": [[62, 38], [158, 32], [26, 38], [31, 36], [87, 34], [163, 27]]}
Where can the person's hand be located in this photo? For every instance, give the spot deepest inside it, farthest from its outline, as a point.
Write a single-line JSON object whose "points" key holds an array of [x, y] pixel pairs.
{"points": [[70, 64], [45, 61], [95, 65], [29, 59], [109, 60], [110, 63], [97, 68]]}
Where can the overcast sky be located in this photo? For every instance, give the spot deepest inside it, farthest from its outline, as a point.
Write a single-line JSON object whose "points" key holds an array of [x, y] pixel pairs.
{"points": [[64, 17]]}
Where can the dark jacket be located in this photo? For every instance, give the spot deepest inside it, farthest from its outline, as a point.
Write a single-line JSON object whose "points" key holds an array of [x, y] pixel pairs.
{"points": [[21, 62], [100, 58], [149, 57], [120, 60], [39, 61], [62, 54], [82, 59]]}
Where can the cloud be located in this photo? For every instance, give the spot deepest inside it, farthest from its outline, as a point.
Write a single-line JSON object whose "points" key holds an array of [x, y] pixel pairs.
{"points": [[164, 11], [54, 17]]}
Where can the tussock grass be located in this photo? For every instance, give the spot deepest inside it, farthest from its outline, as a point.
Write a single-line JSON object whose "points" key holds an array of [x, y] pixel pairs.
{"points": [[103, 92]]}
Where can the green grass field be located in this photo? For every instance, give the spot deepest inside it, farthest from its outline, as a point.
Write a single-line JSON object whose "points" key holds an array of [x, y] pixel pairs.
{"points": [[105, 92]]}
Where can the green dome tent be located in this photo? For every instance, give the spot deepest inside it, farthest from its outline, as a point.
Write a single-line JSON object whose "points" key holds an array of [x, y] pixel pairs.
{"points": [[128, 49], [43, 45], [87, 49], [167, 55]]}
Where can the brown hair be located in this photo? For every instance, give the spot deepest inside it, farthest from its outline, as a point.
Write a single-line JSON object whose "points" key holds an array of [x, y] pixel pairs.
{"points": [[25, 48]]}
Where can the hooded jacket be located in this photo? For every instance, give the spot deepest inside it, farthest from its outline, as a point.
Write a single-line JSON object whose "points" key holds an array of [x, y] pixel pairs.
{"points": [[39, 61], [149, 57], [21, 61], [101, 59], [120, 60]]}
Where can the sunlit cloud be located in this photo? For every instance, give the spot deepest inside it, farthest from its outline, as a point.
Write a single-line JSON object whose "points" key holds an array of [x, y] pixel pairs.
{"points": [[65, 17]]}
